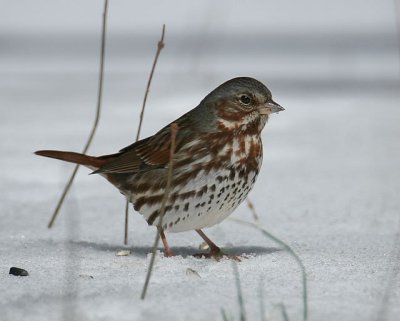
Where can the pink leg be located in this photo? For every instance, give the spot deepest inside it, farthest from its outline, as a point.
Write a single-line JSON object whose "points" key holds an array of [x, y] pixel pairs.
{"points": [[168, 251], [214, 249]]}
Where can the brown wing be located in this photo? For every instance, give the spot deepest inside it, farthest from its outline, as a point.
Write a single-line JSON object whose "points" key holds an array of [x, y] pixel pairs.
{"points": [[146, 154]]}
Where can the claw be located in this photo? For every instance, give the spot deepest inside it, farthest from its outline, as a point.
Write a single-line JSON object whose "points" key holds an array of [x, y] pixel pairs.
{"points": [[217, 254], [168, 253]]}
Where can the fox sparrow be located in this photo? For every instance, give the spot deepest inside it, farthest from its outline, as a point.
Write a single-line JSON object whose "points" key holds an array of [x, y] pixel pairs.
{"points": [[217, 159]]}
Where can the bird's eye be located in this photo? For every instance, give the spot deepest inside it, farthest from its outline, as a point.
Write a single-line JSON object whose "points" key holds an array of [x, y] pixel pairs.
{"points": [[246, 100]]}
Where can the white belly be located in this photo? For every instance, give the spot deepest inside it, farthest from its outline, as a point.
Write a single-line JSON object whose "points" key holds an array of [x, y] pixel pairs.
{"points": [[222, 193]]}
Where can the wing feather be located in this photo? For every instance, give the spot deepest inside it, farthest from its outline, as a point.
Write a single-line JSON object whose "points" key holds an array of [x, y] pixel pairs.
{"points": [[149, 153]]}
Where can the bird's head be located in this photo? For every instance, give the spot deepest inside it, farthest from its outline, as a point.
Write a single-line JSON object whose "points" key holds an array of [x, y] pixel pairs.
{"points": [[241, 103]]}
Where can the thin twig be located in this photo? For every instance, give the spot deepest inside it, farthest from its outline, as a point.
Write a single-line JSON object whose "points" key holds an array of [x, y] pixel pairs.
{"points": [[126, 222], [250, 205], [291, 252], [397, 17], [97, 117], [160, 46], [174, 129]]}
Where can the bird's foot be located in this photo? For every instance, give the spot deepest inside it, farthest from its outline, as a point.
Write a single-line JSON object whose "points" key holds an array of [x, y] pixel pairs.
{"points": [[217, 254], [168, 253]]}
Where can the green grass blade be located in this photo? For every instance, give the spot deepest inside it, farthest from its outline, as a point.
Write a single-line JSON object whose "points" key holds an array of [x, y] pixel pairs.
{"points": [[292, 253], [261, 296], [284, 312], [239, 293], [224, 316]]}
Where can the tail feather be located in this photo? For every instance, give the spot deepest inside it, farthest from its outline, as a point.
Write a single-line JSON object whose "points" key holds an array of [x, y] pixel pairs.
{"points": [[77, 158]]}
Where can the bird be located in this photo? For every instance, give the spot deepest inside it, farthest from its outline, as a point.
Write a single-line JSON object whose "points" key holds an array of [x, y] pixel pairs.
{"points": [[217, 158]]}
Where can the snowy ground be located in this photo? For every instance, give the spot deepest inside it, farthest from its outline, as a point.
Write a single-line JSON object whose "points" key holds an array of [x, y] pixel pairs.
{"points": [[329, 185]]}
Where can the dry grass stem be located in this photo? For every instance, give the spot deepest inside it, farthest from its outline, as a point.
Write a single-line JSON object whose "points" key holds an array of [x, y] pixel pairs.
{"points": [[97, 117], [126, 222], [160, 46], [250, 205], [397, 17], [174, 129]]}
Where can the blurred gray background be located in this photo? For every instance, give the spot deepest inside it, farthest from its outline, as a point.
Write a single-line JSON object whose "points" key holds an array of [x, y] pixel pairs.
{"points": [[49, 49]]}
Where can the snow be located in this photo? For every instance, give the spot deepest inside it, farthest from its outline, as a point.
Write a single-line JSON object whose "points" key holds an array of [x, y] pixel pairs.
{"points": [[328, 185]]}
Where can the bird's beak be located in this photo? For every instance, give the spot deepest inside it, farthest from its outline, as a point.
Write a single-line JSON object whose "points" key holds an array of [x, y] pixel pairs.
{"points": [[270, 108]]}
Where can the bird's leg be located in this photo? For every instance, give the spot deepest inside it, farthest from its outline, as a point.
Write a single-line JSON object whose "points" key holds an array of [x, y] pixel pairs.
{"points": [[168, 251], [214, 249]]}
